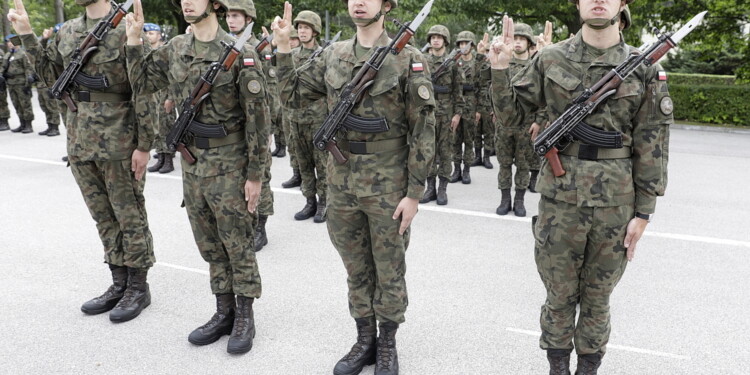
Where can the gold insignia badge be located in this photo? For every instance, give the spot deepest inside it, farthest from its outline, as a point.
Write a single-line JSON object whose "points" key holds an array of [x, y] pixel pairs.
{"points": [[666, 105], [423, 92], [254, 86], [272, 72]]}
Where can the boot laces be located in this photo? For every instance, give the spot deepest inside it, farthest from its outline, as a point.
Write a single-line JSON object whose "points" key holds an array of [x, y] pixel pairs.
{"points": [[558, 365], [128, 297], [384, 353]]}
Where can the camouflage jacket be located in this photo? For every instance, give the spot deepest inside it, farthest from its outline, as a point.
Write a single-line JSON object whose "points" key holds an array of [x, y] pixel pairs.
{"points": [[470, 70], [271, 80], [451, 103], [401, 92], [99, 130], [19, 67], [484, 79], [238, 100], [641, 110], [315, 111]]}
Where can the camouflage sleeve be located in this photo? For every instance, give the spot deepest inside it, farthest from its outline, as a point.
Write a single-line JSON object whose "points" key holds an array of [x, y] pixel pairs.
{"points": [[457, 89], [420, 107], [294, 85], [148, 71], [513, 100], [254, 99], [651, 143], [480, 59], [27, 67], [46, 62]]}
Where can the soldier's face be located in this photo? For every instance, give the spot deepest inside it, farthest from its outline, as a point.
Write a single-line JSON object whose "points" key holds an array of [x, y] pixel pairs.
{"points": [[294, 42], [462, 45], [236, 21], [153, 36], [194, 7], [520, 44], [366, 9], [437, 42], [305, 32], [607, 9]]}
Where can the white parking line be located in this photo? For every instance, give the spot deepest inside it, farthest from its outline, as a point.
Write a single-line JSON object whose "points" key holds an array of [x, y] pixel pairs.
{"points": [[611, 346], [182, 268], [676, 236]]}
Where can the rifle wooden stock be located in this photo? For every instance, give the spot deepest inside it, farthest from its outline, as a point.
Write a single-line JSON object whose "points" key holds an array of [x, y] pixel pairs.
{"points": [[186, 154], [553, 158]]}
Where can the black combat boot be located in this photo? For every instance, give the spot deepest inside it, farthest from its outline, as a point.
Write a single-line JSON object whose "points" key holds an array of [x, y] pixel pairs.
{"points": [[387, 360], [136, 297], [320, 212], [456, 175], [430, 194], [243, 331], [52, 130], [219, 325], [282, 151], [159, 163], [518, 207], [504, 206], [4, 124], [19, 128], [442, 195], [477, 157], [532, 181], [168, 161], [465, 176], [486, 159], [276, 150], [109, 299], [295, 181], [559, 361], [588, 364], [362, 352], [26, 127], [308, 211], [260, 233]]}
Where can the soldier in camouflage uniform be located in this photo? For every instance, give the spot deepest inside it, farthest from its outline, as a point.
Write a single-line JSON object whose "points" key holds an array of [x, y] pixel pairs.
{"points": [[464, 135], [221, 189], [296, 179], [108, 147], [18, 75], [372, 198], [4, 111], [50, 106], [241, 13], [305, 121], [513, 140], [590, 218], [449, 98], [484, 137]]}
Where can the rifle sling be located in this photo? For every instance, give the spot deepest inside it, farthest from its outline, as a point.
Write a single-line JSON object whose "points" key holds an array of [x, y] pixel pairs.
{"points": [[230, 139], [365, 148], [589, 152], [88, 96]]}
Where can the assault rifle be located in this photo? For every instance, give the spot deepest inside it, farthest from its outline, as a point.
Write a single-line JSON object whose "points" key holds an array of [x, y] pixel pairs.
{"points": [[321, 49], [81, 56], [569, 127], [263, 43], [185, 127], [448, 62]]}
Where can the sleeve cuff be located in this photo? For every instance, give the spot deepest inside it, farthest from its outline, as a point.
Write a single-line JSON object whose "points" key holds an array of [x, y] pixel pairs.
{"points": [[415, 191], [134, 52], [645, 203]]}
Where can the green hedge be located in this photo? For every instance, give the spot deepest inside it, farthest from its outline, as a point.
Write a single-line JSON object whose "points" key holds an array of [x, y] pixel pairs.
{"points": [[714, 104], [700, 79]]}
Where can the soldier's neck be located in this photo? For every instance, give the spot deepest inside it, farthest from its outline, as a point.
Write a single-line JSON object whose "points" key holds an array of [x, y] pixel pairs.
{"points": [[601, 39], [438, 52], [368, 35], [521, 56], [206, 29], [467, 57], [99, 9], [309, 45]]}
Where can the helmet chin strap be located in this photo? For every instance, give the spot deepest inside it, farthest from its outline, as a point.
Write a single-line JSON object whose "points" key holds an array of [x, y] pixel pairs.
{"points": [[601, 23], [367, 22], [195, 19]]}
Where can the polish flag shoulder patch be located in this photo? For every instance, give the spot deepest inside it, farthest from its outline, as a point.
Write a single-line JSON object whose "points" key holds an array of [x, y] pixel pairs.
{"points": [[268, 57], [662, 75], [248, 61], [417, 67]]}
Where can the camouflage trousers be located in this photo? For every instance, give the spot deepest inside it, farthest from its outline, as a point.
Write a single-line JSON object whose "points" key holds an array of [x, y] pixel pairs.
{"points": [[290, 140], [441, 166], [21, 97], [311, 161], [366, 237], [464, 136], [485, 134], [162, 128], [4, 111], [510, 146], [223, 230], [265, 205], [279, 132], [534, 160], [580, 257], [116, 203], [49, 106]]}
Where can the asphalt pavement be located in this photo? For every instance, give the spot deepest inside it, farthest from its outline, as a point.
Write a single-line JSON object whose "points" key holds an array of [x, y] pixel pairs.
{"points": [[474, 292]]}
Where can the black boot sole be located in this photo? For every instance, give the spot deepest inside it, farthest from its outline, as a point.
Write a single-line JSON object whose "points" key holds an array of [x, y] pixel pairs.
{"points": [[211, 339], [241, 350], [368, 362], [99, 310]]}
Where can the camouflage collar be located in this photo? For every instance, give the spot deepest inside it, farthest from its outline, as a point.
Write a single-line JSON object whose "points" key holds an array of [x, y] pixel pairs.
{"points": [[348, 49], [214, 52], [576, 52]]}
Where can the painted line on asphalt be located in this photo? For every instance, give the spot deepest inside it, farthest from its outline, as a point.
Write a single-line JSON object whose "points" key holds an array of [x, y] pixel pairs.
{"points": [[182, 268], [611, 346], [675, 236]]}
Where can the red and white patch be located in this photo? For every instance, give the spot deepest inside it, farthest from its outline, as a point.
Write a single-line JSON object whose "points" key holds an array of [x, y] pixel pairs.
{"points": [[662, 75], [417, 67], [268, 57], [248, 61]]}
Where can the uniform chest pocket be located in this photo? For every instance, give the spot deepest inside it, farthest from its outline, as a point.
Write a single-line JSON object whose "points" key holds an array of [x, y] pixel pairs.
{"points": [[629, 88], [565, 81], [336, 79], [383, 85]]}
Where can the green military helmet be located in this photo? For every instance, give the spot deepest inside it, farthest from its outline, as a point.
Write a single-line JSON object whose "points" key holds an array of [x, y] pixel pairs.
{"points": [[394, 3], [293, 34], [439, 30], [466, 36], [524, 30], [311, 18], [625, 17], [245, 6]]}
